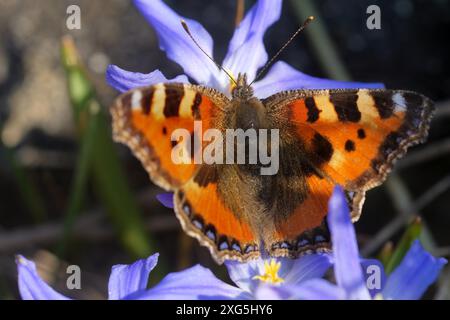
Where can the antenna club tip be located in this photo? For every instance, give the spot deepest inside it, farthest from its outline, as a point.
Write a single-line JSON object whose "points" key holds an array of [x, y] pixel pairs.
{"points": [[185, 26], [311, 18]]}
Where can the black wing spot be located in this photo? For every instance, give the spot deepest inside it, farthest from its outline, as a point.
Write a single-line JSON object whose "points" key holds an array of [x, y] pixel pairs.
{"points": [[350, 146], [322, 148], [174, 95], [383, 103], [361, 134], [345, 104], [313, 111], [146, 101], [196, 105]]}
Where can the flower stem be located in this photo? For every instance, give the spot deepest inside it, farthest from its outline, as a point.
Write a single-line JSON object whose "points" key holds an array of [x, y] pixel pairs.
{"points": [[323, 46]]}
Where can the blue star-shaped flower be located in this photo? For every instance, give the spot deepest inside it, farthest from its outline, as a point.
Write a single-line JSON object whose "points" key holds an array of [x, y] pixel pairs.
{"points": [[246, 54], [129, 282]]}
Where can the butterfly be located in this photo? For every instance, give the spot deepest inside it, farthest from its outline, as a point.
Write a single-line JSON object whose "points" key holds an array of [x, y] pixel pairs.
{"points": [[347, 137]]}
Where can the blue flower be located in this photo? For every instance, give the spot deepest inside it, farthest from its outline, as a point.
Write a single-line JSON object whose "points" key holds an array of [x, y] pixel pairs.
{"points": [[129, 282], [417, 271], [246, 54], [124, 280], [199, 283]]}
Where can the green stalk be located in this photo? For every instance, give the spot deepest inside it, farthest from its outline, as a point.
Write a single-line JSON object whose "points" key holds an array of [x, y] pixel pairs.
{"points": [[27, 190], [323, 46], [109, 179], [412, 233], [81, 177]]}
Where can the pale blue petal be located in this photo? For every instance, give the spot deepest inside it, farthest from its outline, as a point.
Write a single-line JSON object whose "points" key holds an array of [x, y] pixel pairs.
{"points": [[177, 44], [242, 274], [314, 289], [123, 80], [417, 271], [347, 267], [166, 199], [196, 283], [374, 275], [127, 279], [317, 289], [246, 52], [283, 77], [31, 286], [308, 267], [269, 292]]}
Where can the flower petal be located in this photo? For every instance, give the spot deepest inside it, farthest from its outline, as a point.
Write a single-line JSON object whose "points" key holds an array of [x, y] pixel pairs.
{"points": [[317, 289], [314, 289], [347, 267], [127, 279], [417, 271], [176, 42], [166, 199], [283, 77], [242, 274], [308, 267], [123, 80], [31, 286], [374, 275], [269, 292], [191, 284], [246, 52]]}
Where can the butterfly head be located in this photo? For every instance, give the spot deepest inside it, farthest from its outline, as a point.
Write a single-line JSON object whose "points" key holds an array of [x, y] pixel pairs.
{"points": [[242, 90]]}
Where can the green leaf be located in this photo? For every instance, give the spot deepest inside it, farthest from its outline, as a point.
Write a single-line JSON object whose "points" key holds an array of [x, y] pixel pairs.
{"points": [[31, 197], [81, 177], [109, 179], [385, 255]]}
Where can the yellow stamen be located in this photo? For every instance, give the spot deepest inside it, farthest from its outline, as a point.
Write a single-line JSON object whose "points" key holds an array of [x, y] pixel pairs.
{"points": [[378, 296], [270, 273]]}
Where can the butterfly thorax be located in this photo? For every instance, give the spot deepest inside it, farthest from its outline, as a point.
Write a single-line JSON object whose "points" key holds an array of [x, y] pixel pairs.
{"points": [[249, 112]]}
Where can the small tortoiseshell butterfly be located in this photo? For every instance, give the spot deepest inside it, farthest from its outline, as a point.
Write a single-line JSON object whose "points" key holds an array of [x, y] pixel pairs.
{"points": [[347, 137], [327, 137]]}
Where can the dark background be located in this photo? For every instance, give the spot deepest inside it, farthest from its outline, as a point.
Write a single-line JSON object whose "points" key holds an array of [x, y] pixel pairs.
{"points": [[409, 52]]}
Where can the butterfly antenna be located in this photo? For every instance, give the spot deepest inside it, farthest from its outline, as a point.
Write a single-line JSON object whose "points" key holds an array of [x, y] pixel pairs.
{"points": [[186, 28], [268, 64]]}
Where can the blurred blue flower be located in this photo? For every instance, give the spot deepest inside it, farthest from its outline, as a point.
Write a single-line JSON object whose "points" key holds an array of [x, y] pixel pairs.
{"points": [[417, 271], [129, 282], [246, 54], [123, 281], [200, 283]]}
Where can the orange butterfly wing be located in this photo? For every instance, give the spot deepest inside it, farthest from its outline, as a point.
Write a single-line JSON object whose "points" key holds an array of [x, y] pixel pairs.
{"points": [[351, 138], [144, 119]]}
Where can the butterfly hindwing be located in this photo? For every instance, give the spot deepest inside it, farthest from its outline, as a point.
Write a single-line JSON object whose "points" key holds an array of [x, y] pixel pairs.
{"points": [[205, 216]]}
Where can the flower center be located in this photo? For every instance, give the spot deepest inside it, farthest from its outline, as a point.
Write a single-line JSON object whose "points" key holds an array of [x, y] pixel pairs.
{"points": [[270, 273]]}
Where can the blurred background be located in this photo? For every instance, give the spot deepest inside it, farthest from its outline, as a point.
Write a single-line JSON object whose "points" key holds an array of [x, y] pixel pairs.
{"points": [[69, 195]]}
